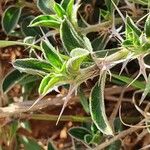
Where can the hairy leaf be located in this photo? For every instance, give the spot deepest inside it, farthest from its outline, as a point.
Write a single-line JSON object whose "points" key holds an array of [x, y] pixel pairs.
{"points": [[137, 84], [30, 144], [97, 107], [64, 4], [10, 18], [110, 5], [69, 10], [32, 66], [46, 6], [118, 128], [78, 133], [70, 37], [59, 10], [51, 55], [147, 26], [29, 31], [131, 27], [11, 79], [83, 100], [50, 82], [12, 43], [51, 146], [74, 63], [146, 90], [46, 21]]}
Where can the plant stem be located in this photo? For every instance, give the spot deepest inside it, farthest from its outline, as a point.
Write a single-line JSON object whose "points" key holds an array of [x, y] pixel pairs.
{"points": [[49, 117], [100, 27]]}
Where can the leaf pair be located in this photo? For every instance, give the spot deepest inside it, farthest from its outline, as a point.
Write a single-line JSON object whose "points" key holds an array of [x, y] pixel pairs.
{"points": [[77, 57], [50, 82]]}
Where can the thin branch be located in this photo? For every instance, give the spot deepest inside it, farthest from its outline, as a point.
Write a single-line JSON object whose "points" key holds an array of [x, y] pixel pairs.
{"points": [[120, 135], [17, 108], [49, 117]]}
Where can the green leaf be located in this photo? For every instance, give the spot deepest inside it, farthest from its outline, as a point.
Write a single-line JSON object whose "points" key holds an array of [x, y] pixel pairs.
{"points": [[11, 79], [96, 135], [29, 144], [64, 4], [70, 38], [32, 66], [10, 18], [29, 79], [69, 9], [118, 128], [100, 42], [74, 63], [110, 5], [97, 107], [131, 27], [13, 129], [83, 100], [26, 125], [46, 6], [146, 90], [51, 146], [78, 133], [87, 44], [59, 10], [50, 82], [51, 54], [96, 138], [29, 31], [147, 26], [46, 21], [88, 138], [137, 84], [142, 2], [12, 43]]}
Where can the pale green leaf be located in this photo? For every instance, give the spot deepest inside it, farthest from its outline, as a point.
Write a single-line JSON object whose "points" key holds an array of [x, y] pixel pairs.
{"points": [[59, 10], [69, 9], [50, 82], [74, 63]]}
